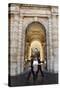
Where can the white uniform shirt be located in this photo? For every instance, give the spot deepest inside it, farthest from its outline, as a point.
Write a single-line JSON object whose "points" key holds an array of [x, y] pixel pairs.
{"points": [[35, 65]]}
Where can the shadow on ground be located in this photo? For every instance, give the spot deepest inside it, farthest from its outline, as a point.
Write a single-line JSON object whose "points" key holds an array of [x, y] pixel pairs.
{"points": [[21, 80]]}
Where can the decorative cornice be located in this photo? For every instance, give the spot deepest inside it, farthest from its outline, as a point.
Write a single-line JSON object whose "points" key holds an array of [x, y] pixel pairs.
{"points": [[32, 9]]}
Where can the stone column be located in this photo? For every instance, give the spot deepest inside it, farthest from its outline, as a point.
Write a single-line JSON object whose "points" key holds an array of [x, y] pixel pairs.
{"points": [[55, 42], [20, 46], [47, 48], [22, 49], [50, 50], [14, 45]]}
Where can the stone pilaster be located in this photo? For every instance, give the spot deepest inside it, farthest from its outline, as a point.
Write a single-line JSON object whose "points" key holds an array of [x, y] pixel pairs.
{"points": [[55, 42], [20, 46], [14, 26], [14, 45], [50, 50], [47, 49]]}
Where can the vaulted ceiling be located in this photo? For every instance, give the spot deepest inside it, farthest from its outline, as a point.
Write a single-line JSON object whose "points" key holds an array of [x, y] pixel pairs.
{"points": [[35, 31]]}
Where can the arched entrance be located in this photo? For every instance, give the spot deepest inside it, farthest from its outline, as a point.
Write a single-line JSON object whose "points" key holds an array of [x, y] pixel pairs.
{"points": [[36, 47], [35, 39]]}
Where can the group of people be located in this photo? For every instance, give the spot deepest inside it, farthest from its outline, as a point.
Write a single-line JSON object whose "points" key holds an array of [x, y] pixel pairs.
{"points": [[35, 67]]}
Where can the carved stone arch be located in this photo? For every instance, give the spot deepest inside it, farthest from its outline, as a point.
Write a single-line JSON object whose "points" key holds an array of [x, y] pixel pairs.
{"points": [[34, 31]]}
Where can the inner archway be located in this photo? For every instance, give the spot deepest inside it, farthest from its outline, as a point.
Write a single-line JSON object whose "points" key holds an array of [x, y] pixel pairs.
{"points": [[36, 45], [35, 37]]}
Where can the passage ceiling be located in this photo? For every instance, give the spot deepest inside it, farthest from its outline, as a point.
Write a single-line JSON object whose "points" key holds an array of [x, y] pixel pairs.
{"points": [[35, 31]]}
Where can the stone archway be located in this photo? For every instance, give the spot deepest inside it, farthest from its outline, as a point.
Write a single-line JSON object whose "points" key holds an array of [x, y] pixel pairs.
{"points": [[35, 37]]}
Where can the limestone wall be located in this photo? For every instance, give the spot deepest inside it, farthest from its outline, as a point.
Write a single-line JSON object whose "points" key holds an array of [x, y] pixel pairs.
{"points": [[20, 17]]}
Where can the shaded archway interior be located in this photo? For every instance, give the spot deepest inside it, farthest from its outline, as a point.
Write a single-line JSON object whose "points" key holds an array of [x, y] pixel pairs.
{"points": [[35, 37]]}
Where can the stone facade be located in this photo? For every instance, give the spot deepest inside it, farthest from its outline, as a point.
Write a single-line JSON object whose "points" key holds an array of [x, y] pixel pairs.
{"points": [[20, 16]]}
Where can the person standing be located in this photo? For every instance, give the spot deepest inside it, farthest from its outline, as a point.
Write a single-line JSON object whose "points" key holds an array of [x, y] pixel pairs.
{"points": [[31, 71], [39, 68]]}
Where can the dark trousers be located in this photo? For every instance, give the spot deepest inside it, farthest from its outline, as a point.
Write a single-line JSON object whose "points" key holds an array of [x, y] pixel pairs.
{"points": [[35, 75], [29, 74], [39, 69]]}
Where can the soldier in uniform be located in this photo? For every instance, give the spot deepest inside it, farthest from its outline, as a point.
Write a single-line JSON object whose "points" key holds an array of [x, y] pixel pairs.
{"points": [[35, 65]]}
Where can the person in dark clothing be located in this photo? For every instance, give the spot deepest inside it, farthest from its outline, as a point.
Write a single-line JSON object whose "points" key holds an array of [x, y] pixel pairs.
{"points": [[39, 65], [35, 73], [39, 68], [31, 71]]}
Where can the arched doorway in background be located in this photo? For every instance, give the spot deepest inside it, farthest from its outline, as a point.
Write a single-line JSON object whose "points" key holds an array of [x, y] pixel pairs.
{"points": [[35, 37]]}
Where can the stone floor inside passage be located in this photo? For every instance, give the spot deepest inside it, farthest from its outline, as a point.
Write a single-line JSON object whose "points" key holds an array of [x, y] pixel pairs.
{"points": [[21, 80]]}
